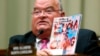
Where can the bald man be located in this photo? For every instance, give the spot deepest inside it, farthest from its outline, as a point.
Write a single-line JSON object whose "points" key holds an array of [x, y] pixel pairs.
{"points": [[43, 15]]}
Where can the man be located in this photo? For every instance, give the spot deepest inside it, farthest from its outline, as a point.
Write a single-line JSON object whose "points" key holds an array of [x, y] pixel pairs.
{"points": [[43, 15]]}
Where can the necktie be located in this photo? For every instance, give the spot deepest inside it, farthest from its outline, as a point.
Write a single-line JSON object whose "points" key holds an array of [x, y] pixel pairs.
{"points": [[44, 43]]}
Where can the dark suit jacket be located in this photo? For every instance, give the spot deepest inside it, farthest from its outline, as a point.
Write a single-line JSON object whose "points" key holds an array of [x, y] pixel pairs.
{"points": [[86, 44]]}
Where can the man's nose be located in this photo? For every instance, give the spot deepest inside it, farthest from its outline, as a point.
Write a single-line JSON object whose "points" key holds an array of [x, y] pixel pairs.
{"points": [[43, 13]]}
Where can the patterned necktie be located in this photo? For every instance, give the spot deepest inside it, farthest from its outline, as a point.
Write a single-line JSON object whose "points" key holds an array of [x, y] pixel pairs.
{"points": [[44, 43]]}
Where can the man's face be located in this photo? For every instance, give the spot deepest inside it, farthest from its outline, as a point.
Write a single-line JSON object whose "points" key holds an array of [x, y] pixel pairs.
{"points": [[43, 14]]}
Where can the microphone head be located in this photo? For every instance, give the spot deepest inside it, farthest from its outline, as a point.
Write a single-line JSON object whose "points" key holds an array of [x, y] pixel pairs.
{"points": [[40, 32]]}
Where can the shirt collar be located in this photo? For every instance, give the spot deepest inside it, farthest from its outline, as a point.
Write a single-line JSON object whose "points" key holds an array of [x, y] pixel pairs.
{"points": [[38, 40]]}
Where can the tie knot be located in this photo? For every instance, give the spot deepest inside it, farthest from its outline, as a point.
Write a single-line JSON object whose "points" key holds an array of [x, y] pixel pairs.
{"points": [[44, 43], [44, 40]]}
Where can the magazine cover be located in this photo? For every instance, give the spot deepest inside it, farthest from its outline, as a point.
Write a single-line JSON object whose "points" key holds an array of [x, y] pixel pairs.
{"points": [[64, 35]]}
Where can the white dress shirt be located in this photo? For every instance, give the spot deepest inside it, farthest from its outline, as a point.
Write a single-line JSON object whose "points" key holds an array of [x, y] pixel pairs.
{"points": [[38, 44]]}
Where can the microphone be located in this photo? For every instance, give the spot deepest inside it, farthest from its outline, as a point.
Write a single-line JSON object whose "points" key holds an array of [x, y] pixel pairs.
{"points": [[41, 31]]}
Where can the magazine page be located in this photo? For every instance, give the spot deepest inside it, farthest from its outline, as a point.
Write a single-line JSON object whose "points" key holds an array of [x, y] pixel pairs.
{"points": [[64, 35]]}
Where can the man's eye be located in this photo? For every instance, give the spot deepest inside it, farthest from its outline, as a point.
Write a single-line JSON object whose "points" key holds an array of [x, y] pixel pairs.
{"points": [[37, 11], [49, 10]]}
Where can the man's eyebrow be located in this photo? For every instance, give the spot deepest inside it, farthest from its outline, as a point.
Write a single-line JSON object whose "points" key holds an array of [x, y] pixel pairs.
{"points": [[35, 8], [51, 7]]}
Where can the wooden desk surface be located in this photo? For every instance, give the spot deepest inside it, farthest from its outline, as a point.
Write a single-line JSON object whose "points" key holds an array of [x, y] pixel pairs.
{"points": [[3, 52]]}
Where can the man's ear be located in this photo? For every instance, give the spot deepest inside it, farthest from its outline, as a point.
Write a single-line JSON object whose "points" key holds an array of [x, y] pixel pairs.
{"points": [[62, 14]]}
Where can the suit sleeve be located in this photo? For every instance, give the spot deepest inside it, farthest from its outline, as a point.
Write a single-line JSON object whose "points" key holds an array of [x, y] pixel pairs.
{"points": [[87, 42], [15, 40], [93, 48]]}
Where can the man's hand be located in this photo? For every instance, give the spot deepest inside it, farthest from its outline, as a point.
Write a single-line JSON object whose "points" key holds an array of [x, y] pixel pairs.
{"points": [[44, 52]]}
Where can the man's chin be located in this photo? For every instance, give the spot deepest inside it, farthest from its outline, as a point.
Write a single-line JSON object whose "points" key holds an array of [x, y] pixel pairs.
{"points": [[42, 28]]}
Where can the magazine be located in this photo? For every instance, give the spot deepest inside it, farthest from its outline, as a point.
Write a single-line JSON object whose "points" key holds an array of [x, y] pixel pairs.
{"points": [[64, 35]]}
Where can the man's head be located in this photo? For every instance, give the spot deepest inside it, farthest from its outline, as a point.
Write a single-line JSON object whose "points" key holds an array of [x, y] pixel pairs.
{"points": [[43, 14]]}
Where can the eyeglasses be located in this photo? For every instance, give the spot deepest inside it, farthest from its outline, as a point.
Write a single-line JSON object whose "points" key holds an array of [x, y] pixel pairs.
{"points": [[48, 10]]}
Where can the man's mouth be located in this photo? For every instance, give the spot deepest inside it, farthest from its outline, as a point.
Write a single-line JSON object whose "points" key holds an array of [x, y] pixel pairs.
{"points": [[42, 23]]}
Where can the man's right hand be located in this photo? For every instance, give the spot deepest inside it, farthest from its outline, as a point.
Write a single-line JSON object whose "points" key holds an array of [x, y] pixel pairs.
{"points": [[44, 52]]}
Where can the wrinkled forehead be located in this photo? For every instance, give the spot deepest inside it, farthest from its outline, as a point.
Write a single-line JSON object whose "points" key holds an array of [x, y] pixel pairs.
{"points": [[46, 3]]}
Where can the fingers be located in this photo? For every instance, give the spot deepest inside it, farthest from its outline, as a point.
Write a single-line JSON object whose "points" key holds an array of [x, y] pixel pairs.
{"points": [[43, 52]]}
